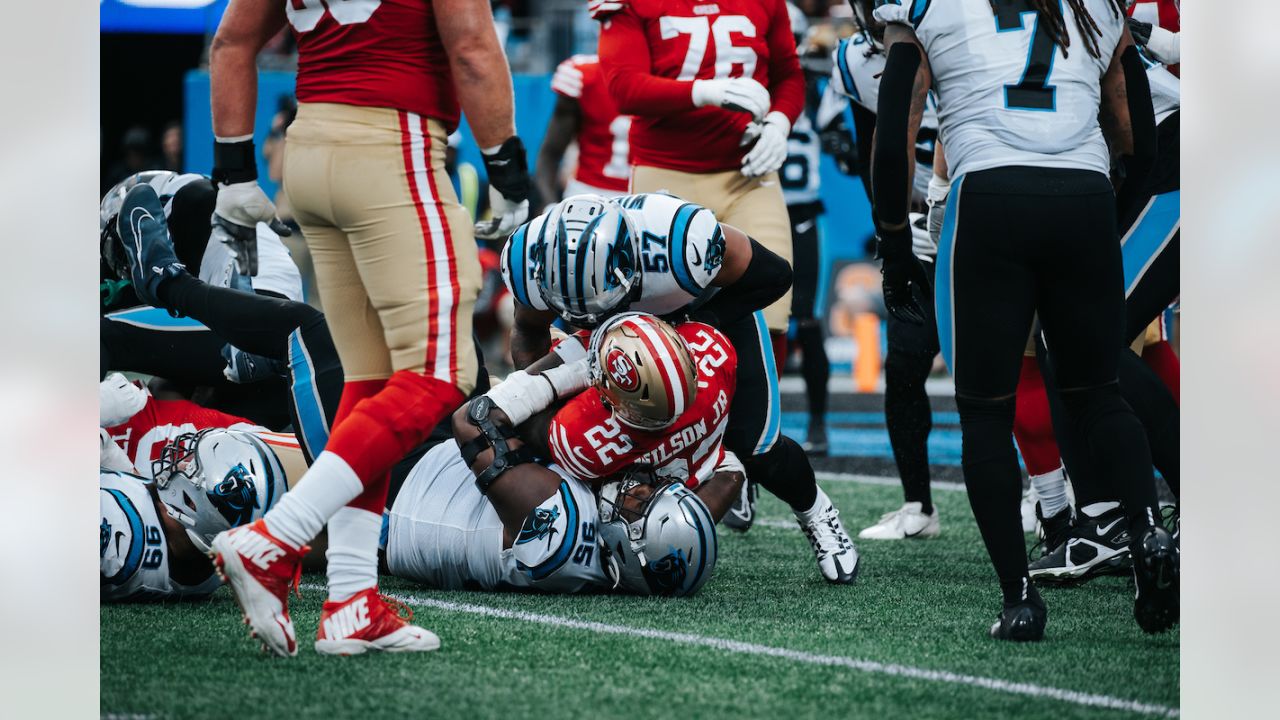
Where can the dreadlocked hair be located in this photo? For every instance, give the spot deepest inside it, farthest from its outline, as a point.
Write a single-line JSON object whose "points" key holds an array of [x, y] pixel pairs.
{"points": [[1050, 12]]}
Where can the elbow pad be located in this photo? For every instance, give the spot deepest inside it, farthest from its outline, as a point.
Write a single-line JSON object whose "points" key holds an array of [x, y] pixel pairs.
{"points": [[890, 157]]}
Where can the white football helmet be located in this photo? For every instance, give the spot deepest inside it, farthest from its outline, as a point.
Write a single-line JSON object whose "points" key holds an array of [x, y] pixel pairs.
{"points": [[643, 369], [217, 479], [590, 265], [657, 539]]}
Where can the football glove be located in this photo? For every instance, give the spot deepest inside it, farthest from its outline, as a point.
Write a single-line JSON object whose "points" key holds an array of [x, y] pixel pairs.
{"points": [[244, 368], [508, 172], [737, 94], [241, 203], [1141, 31], [118, 400], [770, 149], [602, 9], [901, 271]]}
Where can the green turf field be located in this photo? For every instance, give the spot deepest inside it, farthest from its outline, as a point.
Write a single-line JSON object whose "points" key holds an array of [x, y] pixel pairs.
{"points": [[765, 638]]}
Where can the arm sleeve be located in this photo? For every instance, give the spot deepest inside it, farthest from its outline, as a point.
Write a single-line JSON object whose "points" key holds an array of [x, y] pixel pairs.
{"points": [[767, 278], [786, 79], [864, 128], [624, 56]]}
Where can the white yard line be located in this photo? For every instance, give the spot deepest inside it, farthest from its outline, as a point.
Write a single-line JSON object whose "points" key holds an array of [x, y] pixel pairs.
{"points": [[1074, 697], [880, 480]]}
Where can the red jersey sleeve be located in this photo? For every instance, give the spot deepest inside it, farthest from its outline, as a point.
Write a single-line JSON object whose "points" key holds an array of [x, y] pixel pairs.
{"points": [[624, 55], [786, 79]]}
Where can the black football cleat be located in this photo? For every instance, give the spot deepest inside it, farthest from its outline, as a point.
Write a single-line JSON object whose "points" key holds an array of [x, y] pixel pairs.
{"points": [[1054, 532], [1155, 572], [1093, 546], [1022, 622], [144, 234], [815, 444]]}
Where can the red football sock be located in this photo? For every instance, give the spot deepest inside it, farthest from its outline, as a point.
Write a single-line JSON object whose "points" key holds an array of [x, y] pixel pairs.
{"points": [[1164, 362], [1032, 426], [778, 339]]}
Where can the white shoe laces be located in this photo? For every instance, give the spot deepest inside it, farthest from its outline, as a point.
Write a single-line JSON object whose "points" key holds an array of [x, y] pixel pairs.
{"points": [[826, 534]]}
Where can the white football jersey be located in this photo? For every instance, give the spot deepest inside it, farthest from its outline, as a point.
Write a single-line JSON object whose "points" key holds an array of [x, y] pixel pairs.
{"points": [[131, 544], [856, 72], [681, 249], [442, 532], [799, 174], [1166, 89], [1006, 95]]}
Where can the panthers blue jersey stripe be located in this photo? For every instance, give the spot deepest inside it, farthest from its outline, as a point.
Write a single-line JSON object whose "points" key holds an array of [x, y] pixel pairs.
{"points": [[313, 425], [1149, 236], [151, 318], [842, 62], [554, 563], [918, 9], [678, 242], [137, 531]]}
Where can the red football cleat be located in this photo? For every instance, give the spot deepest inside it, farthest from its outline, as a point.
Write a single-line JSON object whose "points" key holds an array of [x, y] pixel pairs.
{"points": [[370, 621], [261, 570]]}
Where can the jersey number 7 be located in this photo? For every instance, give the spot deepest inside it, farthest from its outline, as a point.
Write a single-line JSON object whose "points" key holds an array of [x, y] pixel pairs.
{"points": [[1033, 91]]}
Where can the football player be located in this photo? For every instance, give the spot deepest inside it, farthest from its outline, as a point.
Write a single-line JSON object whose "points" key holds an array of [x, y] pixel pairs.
{"points": [[1058, 86], [380, 85], [589, 258], [714, 89], [585, 114], [154, 534]]}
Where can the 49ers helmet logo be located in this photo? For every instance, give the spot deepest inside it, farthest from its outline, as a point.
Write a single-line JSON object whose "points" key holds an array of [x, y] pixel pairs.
{"points": [[622, 371]]}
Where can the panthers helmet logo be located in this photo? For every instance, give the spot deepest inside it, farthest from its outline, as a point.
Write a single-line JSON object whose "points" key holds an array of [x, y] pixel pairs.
{"points": [[236, 496], [622, 371], [666, 575], [540, 523]]}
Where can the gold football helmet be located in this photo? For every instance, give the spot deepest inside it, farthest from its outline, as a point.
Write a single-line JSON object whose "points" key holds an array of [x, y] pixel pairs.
{"points": [[643, 369]]}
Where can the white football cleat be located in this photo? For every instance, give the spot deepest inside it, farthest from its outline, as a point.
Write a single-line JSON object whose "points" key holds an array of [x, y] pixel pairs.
{"points": [[370, 621], [906, 522], [837, 557], [261, 569]]}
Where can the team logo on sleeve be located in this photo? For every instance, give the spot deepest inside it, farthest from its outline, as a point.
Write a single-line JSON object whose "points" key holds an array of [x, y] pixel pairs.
{"points": [[236, 496], [104, 537], [622, 371], [715, 251], [539, 524]]}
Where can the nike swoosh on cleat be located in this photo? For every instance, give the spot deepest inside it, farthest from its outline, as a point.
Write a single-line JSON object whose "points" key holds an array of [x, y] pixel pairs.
{"points": [[1103, 530]]}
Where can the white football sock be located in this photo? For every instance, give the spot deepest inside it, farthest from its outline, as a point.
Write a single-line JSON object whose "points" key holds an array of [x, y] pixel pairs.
{"points": [[323, 490], [353, 552], [821, 503], [1051, 490]]}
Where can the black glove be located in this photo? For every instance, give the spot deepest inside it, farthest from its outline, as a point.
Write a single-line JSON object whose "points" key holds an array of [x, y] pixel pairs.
{"points": [[901, 272], [837, 142], [508, 172], [1141, 31]]}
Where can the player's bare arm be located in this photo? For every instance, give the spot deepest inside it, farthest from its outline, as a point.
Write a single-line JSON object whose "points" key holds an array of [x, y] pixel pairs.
{"points": [[530, 335], [246, 27], [566, 120], [479, 67], [1127, 117], [720, 491]]}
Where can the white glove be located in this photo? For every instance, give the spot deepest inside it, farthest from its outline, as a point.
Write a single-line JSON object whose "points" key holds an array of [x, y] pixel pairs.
{"points": [[507, 216], [770, 149], [602, 9], [1165, 46], [118, 400], [737, 94], [110, 456], [236, 214]]}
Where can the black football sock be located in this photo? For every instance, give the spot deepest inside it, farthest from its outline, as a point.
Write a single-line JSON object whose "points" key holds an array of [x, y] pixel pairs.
{"points": [[814, 367], [785, 471], [257, 324], [909, 420]]}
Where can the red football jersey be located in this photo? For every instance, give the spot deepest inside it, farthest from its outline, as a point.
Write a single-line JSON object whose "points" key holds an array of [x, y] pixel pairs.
{"points": [[376, 53], [586, 440], [653, 50], [603, 154], [144, 435]]}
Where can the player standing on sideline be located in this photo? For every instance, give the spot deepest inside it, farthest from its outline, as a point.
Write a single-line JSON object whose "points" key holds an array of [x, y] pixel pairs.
{"points": [[584, 113], [379, 87], [1030, 229], [714, 89]]}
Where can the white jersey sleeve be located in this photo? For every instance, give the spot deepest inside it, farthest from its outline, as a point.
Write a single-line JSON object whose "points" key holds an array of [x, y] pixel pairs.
{"points": [[277, 272], [133, 552], [1006, 94], [441, 531], [681, 250]]}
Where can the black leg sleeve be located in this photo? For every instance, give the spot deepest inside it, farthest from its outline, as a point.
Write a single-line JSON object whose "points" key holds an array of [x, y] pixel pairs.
{"points": [[784, 471], [1157, 410], [253, 323], [814, 366], [907, 413], [184, 356]]}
